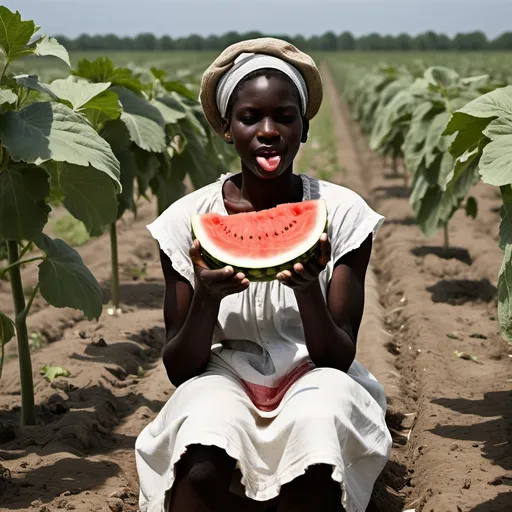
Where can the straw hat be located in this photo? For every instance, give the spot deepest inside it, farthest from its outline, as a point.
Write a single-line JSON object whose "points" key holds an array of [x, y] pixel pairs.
{"points": [[265, 45]]}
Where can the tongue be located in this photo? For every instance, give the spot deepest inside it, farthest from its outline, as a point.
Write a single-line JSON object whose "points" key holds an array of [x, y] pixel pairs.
{"points": [[269, 164]]}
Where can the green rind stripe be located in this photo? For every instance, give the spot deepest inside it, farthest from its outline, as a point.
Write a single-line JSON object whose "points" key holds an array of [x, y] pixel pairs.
{"points": [[264, 274]]}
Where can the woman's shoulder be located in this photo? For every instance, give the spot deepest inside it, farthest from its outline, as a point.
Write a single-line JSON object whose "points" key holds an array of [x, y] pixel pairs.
{"points": [[202, 200], [172, 226]]}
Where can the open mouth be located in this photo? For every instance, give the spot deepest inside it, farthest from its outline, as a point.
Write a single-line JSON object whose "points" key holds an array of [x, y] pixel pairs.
{"points": [[269, 160]]}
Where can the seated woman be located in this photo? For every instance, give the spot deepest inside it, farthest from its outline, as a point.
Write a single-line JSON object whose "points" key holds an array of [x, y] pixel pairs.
{"points": [[270, 405]]}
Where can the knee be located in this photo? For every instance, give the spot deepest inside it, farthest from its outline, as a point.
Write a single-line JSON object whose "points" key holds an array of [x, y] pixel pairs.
{"points": [[205, 468]]}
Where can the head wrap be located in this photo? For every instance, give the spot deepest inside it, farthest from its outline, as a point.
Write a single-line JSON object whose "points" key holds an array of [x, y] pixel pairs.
{"points": [[247, 63], [236, 61]]}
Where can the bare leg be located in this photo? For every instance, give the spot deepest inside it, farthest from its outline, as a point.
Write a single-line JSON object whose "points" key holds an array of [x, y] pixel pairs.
{"points": [[202, 483], [311, 492]]}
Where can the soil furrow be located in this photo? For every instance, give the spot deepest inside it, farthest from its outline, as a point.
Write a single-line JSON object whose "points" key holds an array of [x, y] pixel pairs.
{"points": [[438, 304]]}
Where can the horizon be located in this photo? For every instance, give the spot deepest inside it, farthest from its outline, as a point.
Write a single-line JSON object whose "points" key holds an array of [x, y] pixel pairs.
{"points": [[72, 18]]}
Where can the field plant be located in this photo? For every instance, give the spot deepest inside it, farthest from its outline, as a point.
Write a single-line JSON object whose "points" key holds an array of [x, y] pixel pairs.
{"points": [[94, 143], [404, 112], [158, 134], [450, 132], [47, 150], [481, 134]]}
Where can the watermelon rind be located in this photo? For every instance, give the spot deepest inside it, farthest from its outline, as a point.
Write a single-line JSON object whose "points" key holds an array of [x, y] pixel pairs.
{"points": [[264, 270]]}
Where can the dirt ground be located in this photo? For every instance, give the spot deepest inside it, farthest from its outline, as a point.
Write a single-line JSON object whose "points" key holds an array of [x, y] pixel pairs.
{"points": [[450, 417], [454, 415]]}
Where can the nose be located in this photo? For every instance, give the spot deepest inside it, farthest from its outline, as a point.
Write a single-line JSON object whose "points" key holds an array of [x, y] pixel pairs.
{"points": [[268, 130]]}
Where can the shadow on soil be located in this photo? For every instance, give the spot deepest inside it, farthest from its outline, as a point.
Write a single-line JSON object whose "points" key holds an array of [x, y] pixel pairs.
{"points": [[66, 474], [77, 422], [457, 253], [398, 192], [139, 294], [461, 291], [502, 502], [408, 221], [492, 436]]}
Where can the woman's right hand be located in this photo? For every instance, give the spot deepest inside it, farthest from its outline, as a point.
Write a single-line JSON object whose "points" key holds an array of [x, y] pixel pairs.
{"points": [[216, 283]]}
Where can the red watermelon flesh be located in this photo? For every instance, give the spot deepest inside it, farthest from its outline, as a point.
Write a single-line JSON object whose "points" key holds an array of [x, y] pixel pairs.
{"points": [[261, 240]]}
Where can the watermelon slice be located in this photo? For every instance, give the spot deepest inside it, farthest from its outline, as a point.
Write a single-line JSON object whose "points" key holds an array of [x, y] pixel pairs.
{"points": [[261, 244]]}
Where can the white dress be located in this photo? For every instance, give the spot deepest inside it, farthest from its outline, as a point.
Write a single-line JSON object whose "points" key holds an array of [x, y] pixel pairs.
{"points": [[261, 399]]}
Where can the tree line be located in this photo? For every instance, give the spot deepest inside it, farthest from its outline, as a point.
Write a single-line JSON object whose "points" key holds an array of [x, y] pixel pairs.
{"points": [[346, 41]]}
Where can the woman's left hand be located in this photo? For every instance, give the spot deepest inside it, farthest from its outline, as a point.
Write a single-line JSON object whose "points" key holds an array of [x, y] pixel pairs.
{"points": [[301, 277]]}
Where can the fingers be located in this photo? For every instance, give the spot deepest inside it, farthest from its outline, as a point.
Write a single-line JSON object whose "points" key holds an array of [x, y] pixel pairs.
{"points": [[302, 275], [218, 282], [195, 255], [325, 248]]}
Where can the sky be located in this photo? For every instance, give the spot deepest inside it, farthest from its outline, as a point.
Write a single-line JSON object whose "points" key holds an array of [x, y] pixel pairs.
{"points": [[305, 17]]}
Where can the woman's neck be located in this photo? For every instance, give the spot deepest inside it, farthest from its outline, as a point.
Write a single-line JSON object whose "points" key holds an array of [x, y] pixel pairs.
{"points": [[246, 192]]}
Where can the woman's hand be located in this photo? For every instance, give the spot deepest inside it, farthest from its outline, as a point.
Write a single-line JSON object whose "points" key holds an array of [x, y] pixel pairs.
{"points": [[301, 277], [216, 283]]}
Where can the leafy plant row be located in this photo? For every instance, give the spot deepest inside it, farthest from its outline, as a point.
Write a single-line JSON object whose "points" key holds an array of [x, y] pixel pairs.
{"points": [[450, 132], [93, 143]]}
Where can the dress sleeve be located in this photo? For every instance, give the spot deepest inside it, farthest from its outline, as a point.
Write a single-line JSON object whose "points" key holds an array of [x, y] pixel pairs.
{"points": [[350, 223], [173, 233]]}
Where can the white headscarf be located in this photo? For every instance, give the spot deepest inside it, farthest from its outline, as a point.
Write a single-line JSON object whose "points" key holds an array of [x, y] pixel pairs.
{"points": [[247, 63]]}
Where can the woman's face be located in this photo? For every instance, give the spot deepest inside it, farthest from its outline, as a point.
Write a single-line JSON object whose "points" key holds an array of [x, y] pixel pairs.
{"points": [[266, 126]]}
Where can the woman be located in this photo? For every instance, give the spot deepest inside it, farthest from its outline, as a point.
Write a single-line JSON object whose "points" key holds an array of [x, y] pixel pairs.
{"points": [[270, 405]]}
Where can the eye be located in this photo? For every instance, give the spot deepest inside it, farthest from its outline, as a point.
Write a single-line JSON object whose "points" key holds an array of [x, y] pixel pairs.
{"points": [[286, 118], [249, 119], [248, 116]]}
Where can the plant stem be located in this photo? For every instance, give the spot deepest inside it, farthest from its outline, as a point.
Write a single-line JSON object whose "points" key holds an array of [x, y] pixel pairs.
{"points": [[446, 236], [28, 412], [32, 297], [115, 265], [4, 70], [19, 263], [395, 165], [26, 249]]}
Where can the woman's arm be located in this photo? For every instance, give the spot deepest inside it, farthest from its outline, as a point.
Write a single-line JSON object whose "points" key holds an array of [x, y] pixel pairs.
{"points": [[187, 316], [190, 316], [331, 328]]}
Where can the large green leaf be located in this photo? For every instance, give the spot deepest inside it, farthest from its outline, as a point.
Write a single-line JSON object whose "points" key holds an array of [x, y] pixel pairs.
{"points": [[468, 130], [167, 191], [489, 116], [495, 162], [437, 142], [178, 87], [103, 70], [414, 147], [48, 46], [148, 166], [23, 211], [7, 332], [7, 96], [128, 173], [15, 34], [170, 108], [77, 91], [506, 217], [440, 76], [401, 105], [102, 108], [92, 99], [505, 294], [90, 195], [32, 82], [65, 282], [117, 135], [52, 131], [143, 120]]}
